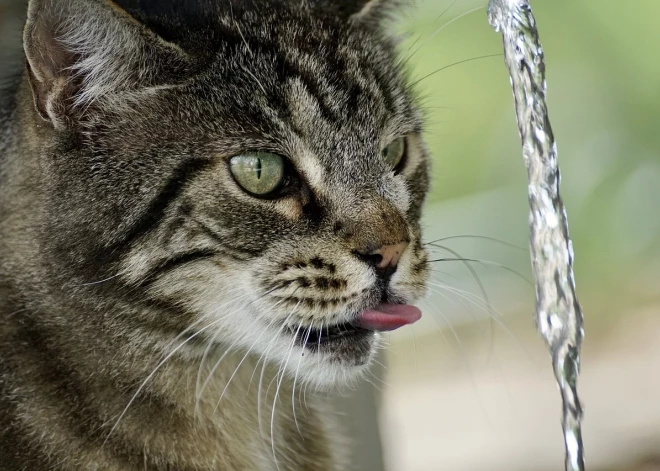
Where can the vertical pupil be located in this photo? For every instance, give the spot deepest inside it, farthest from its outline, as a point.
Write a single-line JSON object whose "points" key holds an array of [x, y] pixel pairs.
{"points": [[258, 168]]}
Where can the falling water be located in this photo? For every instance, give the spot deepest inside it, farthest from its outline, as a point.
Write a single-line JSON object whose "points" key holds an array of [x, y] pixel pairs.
{"points": [[558, 313]]}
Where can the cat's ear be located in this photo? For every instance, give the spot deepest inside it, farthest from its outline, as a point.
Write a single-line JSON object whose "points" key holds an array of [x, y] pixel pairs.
{"points": [[368, 12], [80, 52]]}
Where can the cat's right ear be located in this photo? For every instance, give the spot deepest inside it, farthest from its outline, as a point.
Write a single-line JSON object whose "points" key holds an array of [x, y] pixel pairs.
{"points": [[370, 13], [82, 52]]}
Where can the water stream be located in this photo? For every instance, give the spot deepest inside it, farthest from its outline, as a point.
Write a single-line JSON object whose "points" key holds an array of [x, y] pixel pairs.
{"points": [[558, 313]]}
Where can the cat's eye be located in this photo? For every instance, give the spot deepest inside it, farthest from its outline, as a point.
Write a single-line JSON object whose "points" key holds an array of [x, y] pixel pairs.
{"points": [[393, 153], [258, 173]]}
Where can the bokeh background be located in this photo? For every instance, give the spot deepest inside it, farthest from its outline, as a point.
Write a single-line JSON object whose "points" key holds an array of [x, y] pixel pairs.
{"points": [[470, 387]]}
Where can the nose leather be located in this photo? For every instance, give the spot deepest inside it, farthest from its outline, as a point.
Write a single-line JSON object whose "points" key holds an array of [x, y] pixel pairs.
{"points": [[390, 254]]}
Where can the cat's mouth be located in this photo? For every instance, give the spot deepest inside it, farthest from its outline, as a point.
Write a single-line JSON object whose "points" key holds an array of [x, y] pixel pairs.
{"points": [[314, 339], [384, 317]]}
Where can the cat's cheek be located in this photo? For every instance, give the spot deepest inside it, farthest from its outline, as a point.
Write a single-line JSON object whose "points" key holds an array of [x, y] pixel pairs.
{"points": [[290, 208], [409, 282]]}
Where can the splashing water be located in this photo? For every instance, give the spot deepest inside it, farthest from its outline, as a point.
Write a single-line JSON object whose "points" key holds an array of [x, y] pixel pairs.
{"points": [[558, 313]]}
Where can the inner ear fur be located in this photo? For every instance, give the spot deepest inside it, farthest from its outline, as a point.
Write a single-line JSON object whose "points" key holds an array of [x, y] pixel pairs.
{"points": [[80, 52], [375, 12], [368, 12]]}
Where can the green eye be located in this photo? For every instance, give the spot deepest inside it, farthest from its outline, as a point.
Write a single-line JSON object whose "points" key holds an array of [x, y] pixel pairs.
{"points": [[394, 152], [259, 173]]}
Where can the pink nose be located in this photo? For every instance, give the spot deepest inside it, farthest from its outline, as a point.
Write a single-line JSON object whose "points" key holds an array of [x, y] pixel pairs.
{"points": [[390, 254]]}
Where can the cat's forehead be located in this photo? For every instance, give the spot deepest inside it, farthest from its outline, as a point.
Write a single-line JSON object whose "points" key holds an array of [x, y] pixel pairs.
{"points": [[283, 80], [305, 57], [338, 93]]}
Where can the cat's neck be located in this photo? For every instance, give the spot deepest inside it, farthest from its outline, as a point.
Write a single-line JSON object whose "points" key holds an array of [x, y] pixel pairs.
{"points": [[229, 410], [258, 414]]}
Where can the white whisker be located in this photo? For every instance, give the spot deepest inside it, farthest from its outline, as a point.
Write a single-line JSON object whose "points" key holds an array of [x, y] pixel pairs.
{"points": [[280, 378], [295, 379], [151, 375], [439, 30]]}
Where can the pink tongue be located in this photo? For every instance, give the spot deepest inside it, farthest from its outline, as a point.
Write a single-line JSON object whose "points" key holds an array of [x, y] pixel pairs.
{"points": [[388, 317]]}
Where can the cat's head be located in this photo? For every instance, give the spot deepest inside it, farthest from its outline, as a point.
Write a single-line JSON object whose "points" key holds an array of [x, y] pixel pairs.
{"points": [[247, 173]]}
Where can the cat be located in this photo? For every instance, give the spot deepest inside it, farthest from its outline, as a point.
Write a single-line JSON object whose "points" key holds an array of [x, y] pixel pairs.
{"points": [[207, 208]]}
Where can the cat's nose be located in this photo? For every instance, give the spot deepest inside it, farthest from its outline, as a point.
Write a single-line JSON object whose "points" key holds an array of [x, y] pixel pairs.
{"points": [[385, 258]]}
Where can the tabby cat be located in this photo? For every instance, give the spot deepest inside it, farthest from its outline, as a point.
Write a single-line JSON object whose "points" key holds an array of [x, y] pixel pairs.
{"points": [[207, 208]]}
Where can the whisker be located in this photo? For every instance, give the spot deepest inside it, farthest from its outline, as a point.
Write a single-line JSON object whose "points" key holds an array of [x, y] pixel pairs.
{"points": [[466, 361], [295, 379], [450, 275], [488, 333], [249, 350], [211, 343], [477, 280], [199, 391], [470, 236], [263, 370], [453, 64], [497, 320], [12, 314], [376, 378], [275, 338], [91, 283], [471, 297], [277, 392], [463, 300], [247, 46], [414, 346], [379, 364], [261, 378], [318, 359], [487, 307], [201, 319], [284, 323], [151, 375], [199, 394], [440, 29], [247, 353], [438, 108], [378, 388], [485, 263], [405, 59]]}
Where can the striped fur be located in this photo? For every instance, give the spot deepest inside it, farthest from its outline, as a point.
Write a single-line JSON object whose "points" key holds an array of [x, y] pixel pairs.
{"points": [[148, 304]]}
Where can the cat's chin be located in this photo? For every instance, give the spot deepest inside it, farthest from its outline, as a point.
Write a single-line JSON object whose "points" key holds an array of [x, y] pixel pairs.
{"points": [[334, 357], [346, 342]]}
